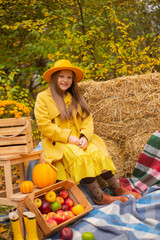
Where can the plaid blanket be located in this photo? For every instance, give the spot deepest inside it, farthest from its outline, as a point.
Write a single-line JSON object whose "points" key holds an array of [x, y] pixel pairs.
{"points": [[147, 169], [133, 220]]}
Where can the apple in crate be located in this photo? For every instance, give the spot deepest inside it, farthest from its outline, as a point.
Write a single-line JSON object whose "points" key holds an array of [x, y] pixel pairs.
{"points": [[64, 194], [65, 207], [45, 207], [45, 216], [66, 233], [51, 215], [38, 202], [60, 218], [60, 199], [50, 196], [68, 215], [52, 222], [60, 211], [55, 206], [68, 202]]}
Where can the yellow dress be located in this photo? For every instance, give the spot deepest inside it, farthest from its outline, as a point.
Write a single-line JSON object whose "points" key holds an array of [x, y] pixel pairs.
{"points": [[77, 163]]}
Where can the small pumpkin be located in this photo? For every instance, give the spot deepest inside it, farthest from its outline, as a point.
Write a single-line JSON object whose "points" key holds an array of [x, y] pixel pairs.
{"points": [[26, 187], [44, 175]]}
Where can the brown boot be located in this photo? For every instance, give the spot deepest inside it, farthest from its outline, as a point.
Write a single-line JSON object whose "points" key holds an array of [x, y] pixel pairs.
{"points": [[107, 199], [122, 191]]}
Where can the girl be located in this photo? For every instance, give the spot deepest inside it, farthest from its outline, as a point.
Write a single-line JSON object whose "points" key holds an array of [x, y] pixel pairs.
{"points": [[69, 144]]}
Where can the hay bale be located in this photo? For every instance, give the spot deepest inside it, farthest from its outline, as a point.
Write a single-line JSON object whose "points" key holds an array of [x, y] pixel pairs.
{"points": [[116, 153], [124, 111], [133, 148]]}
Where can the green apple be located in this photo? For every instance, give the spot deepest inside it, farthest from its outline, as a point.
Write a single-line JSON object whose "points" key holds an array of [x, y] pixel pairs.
{"points": [[87, 236], [55, 206]]}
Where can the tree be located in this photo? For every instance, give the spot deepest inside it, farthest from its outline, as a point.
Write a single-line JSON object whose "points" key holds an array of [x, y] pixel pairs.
{"points": [[107, 39]]}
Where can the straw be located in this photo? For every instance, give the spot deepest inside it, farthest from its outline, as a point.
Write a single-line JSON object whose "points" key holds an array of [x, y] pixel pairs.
{"points": [[125, 113]]}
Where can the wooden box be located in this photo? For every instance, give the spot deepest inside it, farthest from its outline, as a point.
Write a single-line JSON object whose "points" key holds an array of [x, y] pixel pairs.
{"points": [[15, 136], [74, 193]]}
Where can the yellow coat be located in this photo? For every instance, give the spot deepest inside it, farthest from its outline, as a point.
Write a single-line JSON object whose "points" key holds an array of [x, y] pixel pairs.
{"points": [[54, 133]]}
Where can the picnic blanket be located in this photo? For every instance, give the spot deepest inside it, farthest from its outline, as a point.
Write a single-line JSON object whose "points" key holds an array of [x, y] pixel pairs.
{"points": [[135, 219], [147, 170]]}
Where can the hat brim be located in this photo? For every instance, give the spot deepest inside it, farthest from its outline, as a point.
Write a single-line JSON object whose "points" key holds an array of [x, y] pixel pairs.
{"points": [[78, 72]]}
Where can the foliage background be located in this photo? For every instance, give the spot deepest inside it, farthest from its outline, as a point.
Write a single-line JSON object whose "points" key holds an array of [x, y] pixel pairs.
{"points": [[107, 39]]}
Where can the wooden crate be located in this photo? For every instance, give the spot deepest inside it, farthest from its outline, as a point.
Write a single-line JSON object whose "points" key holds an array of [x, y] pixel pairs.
{"points": [[15, 136], [74, 193]]}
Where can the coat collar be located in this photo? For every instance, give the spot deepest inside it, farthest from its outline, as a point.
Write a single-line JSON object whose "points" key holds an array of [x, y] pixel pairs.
{"points": [[48, 91]]}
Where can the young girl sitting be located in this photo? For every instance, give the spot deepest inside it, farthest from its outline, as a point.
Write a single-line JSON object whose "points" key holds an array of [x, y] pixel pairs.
{"points": [[67, 134]]}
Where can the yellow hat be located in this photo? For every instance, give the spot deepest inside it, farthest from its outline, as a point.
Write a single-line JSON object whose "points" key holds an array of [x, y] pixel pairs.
{"points": [[62, 65]]}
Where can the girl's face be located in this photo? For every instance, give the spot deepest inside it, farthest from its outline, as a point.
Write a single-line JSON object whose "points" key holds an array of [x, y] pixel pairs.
{"points": [[65, 80]]}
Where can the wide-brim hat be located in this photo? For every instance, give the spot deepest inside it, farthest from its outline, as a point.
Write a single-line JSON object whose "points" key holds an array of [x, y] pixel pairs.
{"points": [[63, 65]]}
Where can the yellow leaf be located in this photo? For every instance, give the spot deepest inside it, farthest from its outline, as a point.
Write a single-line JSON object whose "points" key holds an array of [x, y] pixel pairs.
{"points": [[5, 26], [46, 14], [2, 229]]}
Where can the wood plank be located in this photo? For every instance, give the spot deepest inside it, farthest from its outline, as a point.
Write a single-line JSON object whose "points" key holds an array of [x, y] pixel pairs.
{"points": [[36, 154], [13, 141], [8, 202], [14, 149], [14, 121], [22, 171], [9, 131], [8, 179]]}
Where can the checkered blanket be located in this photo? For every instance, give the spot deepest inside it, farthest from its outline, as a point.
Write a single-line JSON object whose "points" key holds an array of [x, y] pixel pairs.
{"points": [[147, 169], [133, 220]]}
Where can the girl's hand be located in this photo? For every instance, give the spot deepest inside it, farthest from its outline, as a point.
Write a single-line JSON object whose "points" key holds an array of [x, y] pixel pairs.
{"points": [[83, 143], [73, 140]]}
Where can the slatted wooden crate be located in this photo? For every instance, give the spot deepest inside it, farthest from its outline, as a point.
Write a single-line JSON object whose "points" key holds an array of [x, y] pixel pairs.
{"points": [[74, 193], [16, 136]]}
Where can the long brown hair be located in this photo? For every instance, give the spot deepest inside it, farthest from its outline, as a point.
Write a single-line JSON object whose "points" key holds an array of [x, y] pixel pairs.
{"points": [[77, 98]]}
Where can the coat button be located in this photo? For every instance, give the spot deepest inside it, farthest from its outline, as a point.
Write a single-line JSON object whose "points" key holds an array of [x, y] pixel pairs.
{"points": [[53, 143]]}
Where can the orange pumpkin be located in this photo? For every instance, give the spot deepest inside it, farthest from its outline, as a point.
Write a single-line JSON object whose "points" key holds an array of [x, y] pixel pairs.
{"points": [[26, 187], [44, 175]]}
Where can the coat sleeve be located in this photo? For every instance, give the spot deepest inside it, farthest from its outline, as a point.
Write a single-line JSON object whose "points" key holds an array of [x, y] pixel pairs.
{"points": [[47, 128], [87, 127]]}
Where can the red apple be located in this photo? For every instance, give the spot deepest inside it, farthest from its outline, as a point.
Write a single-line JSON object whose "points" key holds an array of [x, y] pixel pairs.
{"points": [[65, 207], [51, 215], [67, 215], [60, 199], [38, 202], [45, 216], [60, 211], [71, 214], [66, 233], [59, 218], [52, 222], [68, 202], [45, 207], [64, 194], [70, 209]]}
